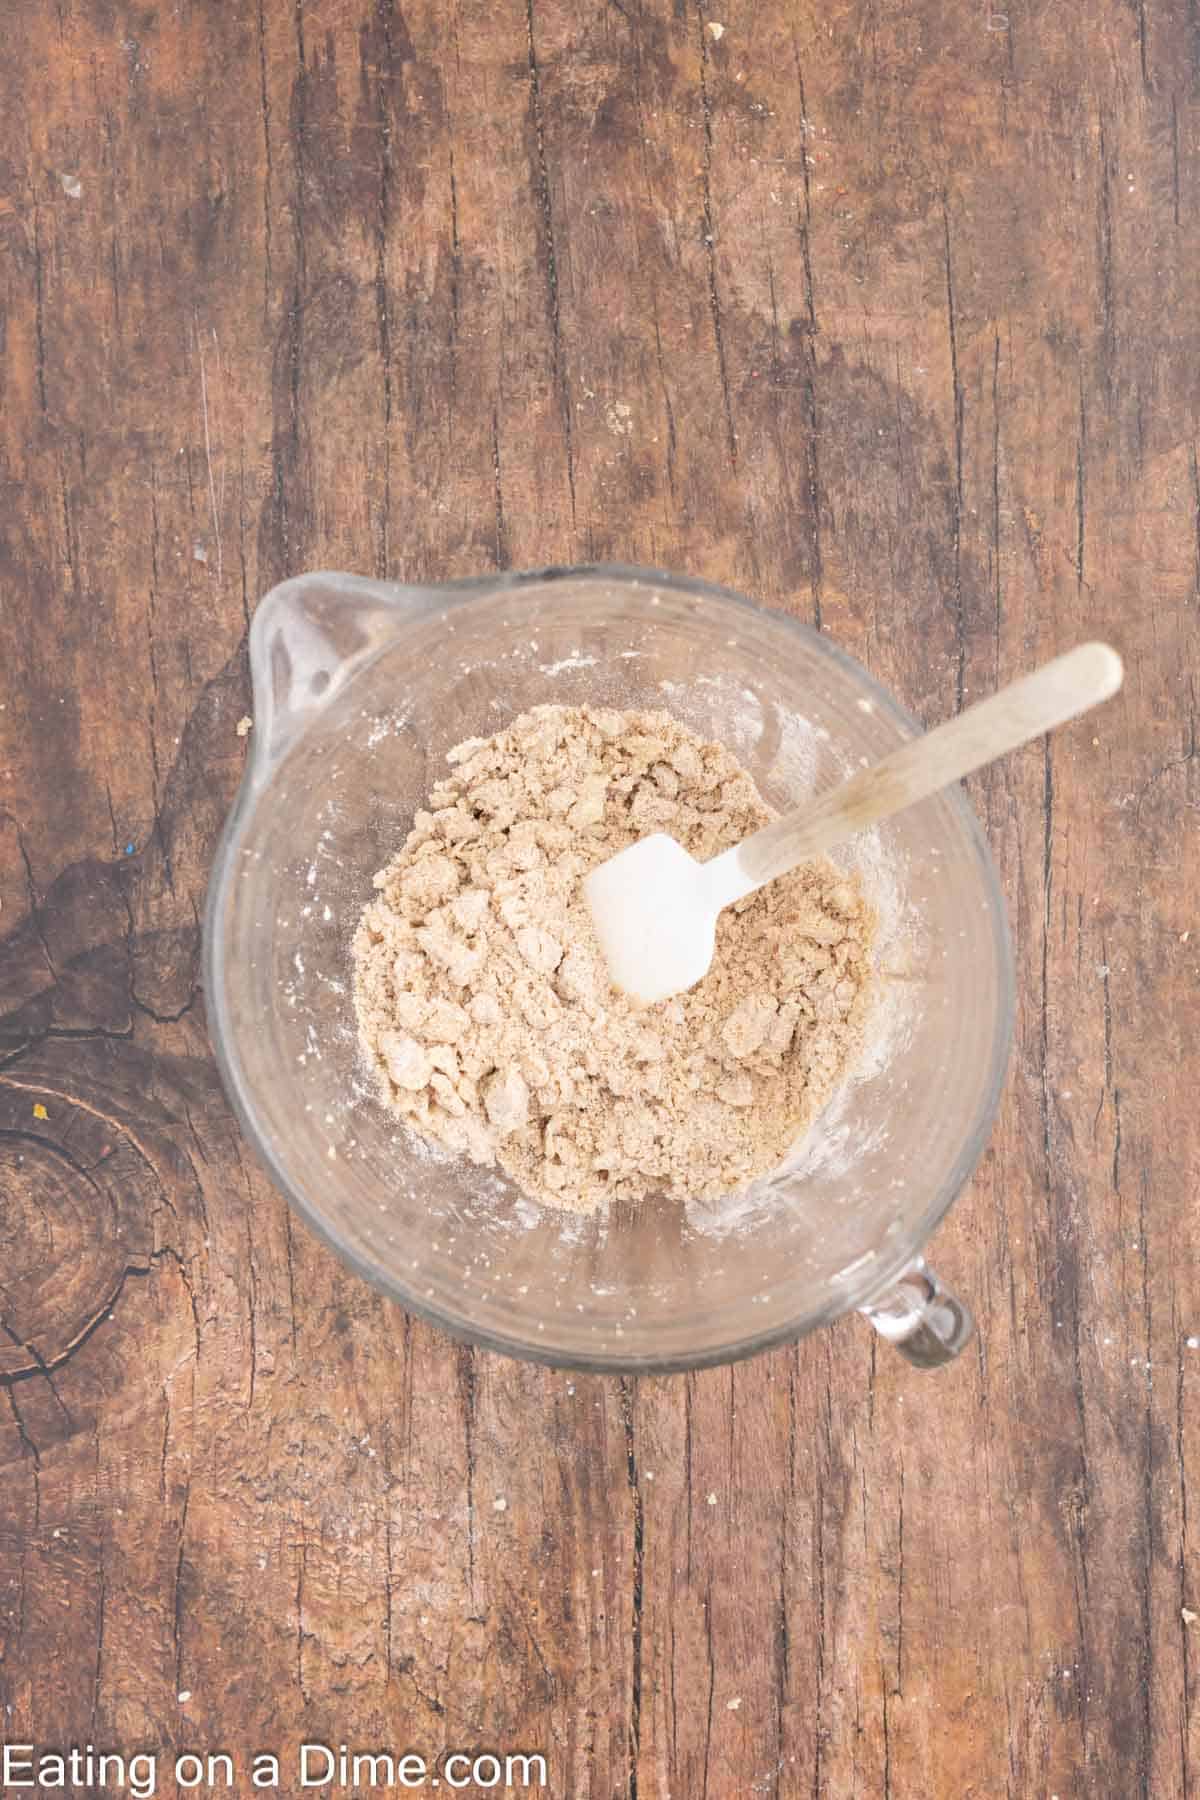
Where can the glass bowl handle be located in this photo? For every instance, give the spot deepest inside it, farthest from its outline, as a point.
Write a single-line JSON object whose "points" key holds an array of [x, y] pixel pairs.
{"points": [[309, 637], [923, 1320]]}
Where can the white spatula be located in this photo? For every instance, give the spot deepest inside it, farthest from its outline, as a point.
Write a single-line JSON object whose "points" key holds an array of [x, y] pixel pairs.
{"points": [[655, 907]]}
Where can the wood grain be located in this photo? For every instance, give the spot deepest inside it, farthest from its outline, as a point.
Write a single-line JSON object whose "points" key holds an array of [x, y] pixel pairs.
{"points": [[883, 315]]}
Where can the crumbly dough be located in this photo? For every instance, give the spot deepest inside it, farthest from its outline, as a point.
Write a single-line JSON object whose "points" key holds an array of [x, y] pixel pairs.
{"points": [[484, 1003]]}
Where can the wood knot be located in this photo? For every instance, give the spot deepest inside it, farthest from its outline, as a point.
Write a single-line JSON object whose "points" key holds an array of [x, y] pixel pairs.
{"points": [[79, 1196]]}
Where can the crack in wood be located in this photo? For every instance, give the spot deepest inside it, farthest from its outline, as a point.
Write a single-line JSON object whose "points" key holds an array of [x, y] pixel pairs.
{"points": [[265, 108], [628, 1396], [466, 1388], [546, 210], [956, 388], [709, 235]]}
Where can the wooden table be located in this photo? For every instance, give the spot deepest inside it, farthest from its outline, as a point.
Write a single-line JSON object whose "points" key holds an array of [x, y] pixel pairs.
{"points": [[883, 314]]}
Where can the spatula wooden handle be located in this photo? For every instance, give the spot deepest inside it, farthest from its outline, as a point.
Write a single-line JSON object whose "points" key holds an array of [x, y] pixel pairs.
{"points": [[1027, 708]]}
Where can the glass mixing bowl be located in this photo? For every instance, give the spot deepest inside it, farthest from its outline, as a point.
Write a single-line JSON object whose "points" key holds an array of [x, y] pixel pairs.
{"points": [[360, 688]]}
